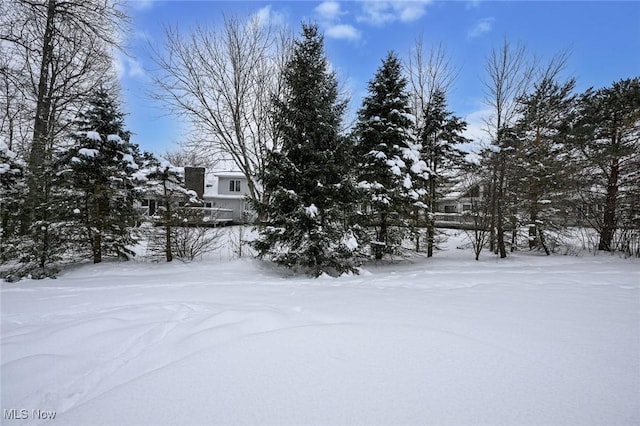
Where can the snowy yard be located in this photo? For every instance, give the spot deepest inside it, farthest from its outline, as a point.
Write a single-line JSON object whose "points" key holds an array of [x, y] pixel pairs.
{"points": [[446, 341]]}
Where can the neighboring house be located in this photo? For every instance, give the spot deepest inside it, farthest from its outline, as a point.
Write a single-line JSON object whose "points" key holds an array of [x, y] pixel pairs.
{"points": [[460, 199], [223, 194]]}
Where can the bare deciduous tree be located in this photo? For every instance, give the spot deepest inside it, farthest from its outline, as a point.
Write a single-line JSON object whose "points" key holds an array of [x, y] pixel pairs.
{"points": [[477, 219], [509, 75], [430, 77], [223, 83], [429, 70]]}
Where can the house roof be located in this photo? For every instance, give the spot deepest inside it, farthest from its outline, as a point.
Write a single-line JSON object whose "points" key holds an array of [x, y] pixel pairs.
{"points": [[460, 187]]}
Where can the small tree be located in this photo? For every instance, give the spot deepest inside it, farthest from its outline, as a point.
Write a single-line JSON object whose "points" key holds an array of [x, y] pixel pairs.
{"points": [[477, 217], [166, 183]]}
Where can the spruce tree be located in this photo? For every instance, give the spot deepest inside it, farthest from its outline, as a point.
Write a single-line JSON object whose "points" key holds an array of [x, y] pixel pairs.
{"points": [[441, 132], [312, 194], [94, 186], [388, 159]]}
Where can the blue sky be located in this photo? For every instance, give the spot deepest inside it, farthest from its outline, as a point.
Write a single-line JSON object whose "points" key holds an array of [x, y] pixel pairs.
{"points": [[603, 38]]}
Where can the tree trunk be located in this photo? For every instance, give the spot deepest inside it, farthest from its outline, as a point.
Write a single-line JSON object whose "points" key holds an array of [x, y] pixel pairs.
{"points": [[97, 248], [379, 249], [492, 208], [543, 242], [36, 184], [500, 208], [533, 229], [431, 229], [96, 242], [44, 249], [167, 222], [609, 221]]}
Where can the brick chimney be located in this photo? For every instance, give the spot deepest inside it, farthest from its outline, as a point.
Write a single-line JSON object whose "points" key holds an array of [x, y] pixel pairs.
{"points": [[194, 179]]}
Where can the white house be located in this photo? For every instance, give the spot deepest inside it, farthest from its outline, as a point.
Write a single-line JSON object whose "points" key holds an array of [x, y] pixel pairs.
{"points": [[223, 194]]}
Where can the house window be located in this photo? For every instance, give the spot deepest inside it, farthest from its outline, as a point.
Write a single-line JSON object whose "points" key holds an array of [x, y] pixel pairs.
{"points": [[145, 203], [208, 205], [450, 209], [234, 186], [466, 207]]}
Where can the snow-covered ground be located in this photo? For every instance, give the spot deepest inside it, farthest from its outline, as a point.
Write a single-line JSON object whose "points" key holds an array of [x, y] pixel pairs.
{"points": [[443, 341]]}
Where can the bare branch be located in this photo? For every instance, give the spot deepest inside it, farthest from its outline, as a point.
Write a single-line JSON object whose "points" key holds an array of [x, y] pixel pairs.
{"points": [[223, 83]]}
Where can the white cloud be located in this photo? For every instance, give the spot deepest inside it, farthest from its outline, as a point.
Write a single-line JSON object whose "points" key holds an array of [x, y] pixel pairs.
{"points": [[385, 12], [477, 125], [343, 31], [472, 4], [135, 68], [482, 27], [329, 10], [267, 16], [141, 4], [126, 66], [330, 14], [141, 35]]}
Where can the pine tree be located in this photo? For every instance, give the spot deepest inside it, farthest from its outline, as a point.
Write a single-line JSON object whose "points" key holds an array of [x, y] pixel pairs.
{"points": [[94, 187], [542, 167], [388, 160], [607, 142], [441, 132], [312, 193]]}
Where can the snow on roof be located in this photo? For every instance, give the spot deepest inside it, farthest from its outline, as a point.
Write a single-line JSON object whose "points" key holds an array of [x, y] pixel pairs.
{"points": [[460, 187], [231, 173]]}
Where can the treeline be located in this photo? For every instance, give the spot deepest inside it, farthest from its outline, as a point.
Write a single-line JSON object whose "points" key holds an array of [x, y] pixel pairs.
{"points": [[328, 197], [334, 199]]}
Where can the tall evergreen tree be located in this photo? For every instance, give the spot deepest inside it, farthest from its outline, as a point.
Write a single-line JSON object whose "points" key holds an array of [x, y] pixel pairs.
{"points": [[312, 193], [388, 159], [95, 189], [542, 173], [608, 147], [441, 132]]}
